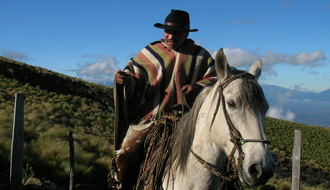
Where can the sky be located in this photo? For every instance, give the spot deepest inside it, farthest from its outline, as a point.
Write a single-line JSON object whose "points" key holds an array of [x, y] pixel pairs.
{"points": [[91, 40]]}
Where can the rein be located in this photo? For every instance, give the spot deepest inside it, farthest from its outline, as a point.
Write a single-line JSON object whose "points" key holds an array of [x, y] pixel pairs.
{"points": [[235, 137]]}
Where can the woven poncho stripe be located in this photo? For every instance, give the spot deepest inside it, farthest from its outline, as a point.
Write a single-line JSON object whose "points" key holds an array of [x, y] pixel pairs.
{"points": [[156, 67]]}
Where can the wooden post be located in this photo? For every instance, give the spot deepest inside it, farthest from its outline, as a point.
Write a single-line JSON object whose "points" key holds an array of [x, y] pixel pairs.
{"points": [[296, 158], [17, 144], [72, 167]]}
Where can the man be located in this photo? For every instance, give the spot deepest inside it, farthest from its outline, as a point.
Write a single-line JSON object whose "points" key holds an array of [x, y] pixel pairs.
{"points": [[151, 84]]}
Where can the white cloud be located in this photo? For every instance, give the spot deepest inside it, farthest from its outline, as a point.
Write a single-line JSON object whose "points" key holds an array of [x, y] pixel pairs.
{"points": [[100, 70], [312, 59], [238, 57], [11, 54], [279, 114], [277, 111]]}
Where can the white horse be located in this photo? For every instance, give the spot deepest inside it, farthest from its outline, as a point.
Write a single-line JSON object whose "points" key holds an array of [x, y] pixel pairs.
{"points": [[222, 138]]}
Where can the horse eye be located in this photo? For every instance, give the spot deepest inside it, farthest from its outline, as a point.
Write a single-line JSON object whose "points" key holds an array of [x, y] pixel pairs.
{"points": [[231, 104]]}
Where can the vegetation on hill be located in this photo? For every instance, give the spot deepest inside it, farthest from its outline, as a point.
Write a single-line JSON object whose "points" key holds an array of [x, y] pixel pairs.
{"points": [[55, 104], [315, 142], [315, 153], [49, 113], [54, 82]]}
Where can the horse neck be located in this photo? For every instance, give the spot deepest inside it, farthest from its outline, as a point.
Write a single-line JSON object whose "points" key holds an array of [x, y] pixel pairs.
{"points": [[196, 174], [203, 144]]}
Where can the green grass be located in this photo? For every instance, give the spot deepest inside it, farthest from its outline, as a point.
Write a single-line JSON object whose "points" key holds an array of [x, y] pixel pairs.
{"points": [[81, 107], [48, 116], [315, 142]]}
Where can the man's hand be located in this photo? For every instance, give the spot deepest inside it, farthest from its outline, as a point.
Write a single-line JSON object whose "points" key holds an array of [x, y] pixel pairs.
{"points": [[191, 91], [121, 78], [187, 88], [191, 88]]}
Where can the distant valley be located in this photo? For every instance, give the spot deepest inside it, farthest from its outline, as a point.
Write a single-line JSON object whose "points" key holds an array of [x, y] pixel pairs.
{"points": [[302, 107]]}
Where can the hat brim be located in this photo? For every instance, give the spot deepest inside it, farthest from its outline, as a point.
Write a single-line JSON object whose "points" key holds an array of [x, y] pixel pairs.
{"points": [[167, 27]]}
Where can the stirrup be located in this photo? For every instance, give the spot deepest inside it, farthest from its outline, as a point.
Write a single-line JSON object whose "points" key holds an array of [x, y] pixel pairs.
{"points": [[113, 182]]}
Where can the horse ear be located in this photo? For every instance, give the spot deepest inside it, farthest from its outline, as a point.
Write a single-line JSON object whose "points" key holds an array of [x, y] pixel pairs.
{"points": [[255, 70], [221, 65]]}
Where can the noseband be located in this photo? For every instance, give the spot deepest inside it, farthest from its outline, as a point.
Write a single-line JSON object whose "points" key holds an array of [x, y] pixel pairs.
{"points": [[235, 137]]}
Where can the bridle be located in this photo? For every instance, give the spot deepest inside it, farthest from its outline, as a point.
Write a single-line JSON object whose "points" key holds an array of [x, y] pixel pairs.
{"points": [[231, 173]]}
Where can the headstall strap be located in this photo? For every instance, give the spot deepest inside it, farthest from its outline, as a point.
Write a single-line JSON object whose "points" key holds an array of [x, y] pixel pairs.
{"points": [[235, 136]]}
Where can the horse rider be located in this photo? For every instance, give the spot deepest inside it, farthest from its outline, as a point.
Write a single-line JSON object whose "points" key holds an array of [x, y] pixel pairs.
{"points": [[148, 88]]}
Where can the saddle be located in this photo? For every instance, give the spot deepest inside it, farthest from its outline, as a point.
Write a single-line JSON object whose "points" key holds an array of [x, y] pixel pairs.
{"points": [[140, 166], [158, 147]]}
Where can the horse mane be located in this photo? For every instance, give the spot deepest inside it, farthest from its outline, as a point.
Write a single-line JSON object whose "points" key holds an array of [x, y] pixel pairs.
{"points": [[185, 132], [251, 95]]}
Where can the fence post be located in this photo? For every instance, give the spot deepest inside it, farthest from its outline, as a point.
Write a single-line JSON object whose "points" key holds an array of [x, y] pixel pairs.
{"points": [[296, 158], [17, 144], [72, 167]]}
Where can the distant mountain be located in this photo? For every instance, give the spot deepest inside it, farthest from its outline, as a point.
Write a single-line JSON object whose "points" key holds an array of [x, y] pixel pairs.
{"points": [[303, 107], [326, 92]]}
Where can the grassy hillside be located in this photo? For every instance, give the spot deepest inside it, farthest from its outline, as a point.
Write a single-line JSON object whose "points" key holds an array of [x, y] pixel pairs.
{"points": [[56, 103], [315, 153], [315, 142]]}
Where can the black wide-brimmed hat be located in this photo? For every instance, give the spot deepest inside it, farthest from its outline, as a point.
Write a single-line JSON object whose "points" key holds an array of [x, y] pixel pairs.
{"points": [[176, 20]]}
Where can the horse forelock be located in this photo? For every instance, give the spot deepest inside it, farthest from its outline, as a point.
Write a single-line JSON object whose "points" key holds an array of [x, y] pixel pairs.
{"points": [[252, 95]]}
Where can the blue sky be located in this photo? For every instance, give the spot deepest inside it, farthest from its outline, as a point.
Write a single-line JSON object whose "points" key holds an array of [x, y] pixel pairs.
{"points": [[92, 39]]}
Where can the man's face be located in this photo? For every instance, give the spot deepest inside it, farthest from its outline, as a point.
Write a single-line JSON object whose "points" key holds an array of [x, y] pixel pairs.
{"points": [[174, 38]]}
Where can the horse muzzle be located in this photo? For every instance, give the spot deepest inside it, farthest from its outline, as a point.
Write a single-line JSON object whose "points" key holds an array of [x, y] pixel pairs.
{"points": [[257, 174]]}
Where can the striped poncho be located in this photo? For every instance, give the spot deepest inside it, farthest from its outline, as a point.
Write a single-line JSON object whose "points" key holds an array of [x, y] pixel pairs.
{"points": [[158, 75]]}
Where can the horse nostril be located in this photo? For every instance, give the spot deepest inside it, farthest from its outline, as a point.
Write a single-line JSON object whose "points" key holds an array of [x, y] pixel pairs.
{"points": [[255, 171]]}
